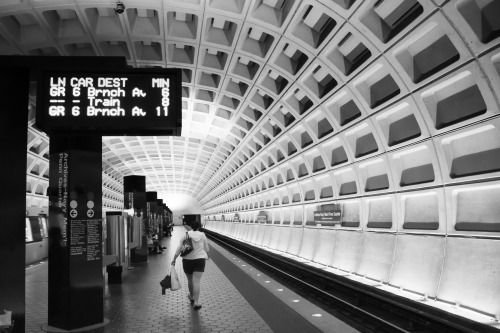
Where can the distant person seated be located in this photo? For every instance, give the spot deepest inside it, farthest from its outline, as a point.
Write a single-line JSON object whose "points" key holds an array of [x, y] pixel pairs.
{"points": [[157, 247], [149, 242], [167, 229]]}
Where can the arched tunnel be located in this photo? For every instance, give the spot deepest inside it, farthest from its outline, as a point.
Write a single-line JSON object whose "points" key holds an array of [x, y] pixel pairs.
{"points": [[386, 111]]}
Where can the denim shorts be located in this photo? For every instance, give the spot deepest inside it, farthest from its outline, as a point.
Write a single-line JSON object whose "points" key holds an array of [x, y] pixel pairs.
{"points": [[193, 265]]}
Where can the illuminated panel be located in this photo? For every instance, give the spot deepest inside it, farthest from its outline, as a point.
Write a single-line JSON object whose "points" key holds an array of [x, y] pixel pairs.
{"points": [[132, 102], [29, 233]]}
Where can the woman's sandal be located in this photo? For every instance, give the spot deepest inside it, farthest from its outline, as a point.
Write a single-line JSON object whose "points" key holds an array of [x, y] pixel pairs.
{"points": [[190, 299], [197, 307]]}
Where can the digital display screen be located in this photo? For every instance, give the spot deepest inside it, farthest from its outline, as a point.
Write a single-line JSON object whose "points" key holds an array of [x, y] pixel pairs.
{"points": [[129, 102]]}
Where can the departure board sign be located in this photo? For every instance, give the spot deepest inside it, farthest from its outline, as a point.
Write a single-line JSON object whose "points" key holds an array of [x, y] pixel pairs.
{"points": [[129, 102]]}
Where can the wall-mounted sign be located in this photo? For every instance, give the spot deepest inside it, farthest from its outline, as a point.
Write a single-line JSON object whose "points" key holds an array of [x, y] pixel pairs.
{"points": [[129, 102], [327, 217], [85, 240], [262, 217]]}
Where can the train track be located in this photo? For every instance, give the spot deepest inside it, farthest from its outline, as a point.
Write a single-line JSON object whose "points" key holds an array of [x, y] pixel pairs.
{"points": [[360, 306]]}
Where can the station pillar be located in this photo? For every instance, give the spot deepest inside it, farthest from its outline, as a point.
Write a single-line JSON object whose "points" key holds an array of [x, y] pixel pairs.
{"points": [[161, 220], [134, 197], [76, 282], [14, 94], [151, 210]]}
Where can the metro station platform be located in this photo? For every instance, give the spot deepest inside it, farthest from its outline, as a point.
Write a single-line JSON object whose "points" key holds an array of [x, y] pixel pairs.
{"points": [[236, 297]]}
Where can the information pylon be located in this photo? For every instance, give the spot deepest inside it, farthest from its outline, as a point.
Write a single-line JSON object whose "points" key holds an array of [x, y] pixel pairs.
{"points": [[76, 281]]}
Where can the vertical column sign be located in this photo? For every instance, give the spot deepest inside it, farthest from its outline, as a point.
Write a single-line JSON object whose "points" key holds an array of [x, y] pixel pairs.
{"points": [[129, 102], [75, 234]]}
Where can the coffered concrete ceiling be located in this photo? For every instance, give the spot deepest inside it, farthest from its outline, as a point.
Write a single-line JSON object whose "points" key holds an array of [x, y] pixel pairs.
{"points": [[326, 95]]}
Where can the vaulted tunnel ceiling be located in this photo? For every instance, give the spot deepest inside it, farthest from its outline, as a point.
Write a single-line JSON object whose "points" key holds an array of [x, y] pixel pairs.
{"points": [[283, 88]]}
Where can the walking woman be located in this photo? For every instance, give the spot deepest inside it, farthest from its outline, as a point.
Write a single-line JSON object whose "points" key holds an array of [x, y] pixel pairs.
{"points": [[193, 263]]}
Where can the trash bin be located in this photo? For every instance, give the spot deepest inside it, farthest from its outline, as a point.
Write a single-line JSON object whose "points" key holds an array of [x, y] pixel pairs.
{"points": [[114, 274]]}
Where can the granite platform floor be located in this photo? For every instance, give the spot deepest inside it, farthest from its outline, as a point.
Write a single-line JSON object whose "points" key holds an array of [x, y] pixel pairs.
{"points": [[236, 297]]}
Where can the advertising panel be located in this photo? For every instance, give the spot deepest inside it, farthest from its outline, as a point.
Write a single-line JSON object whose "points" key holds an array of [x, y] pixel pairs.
{"points": [[28, 233], [43, 226], [262, 217]]}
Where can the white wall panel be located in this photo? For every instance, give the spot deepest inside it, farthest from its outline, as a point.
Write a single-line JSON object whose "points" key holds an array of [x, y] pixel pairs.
{"points": [[417, 264]]}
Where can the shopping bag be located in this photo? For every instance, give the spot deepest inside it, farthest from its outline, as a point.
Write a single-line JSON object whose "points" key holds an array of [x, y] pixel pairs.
{"points": [[6, 319], [174, 279]]}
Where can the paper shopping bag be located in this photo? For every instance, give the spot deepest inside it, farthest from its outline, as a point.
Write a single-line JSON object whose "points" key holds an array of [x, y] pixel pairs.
{"points": [[6, 319]]}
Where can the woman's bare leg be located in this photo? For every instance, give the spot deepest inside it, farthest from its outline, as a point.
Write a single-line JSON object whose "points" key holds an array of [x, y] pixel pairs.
{"points": [[190, 284], [196, 286]]}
